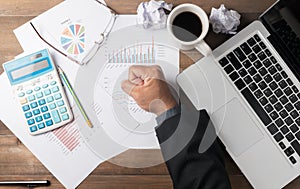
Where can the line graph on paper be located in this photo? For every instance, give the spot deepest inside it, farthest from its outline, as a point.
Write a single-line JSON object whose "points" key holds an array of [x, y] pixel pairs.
{"points": [[119, 59], [66, 137]]}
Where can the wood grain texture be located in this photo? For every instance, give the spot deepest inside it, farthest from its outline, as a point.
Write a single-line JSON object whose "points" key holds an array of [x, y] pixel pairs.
{"points": [[18, 163]]}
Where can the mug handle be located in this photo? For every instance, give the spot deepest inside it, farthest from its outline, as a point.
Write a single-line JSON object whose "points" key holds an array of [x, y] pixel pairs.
{"points": [[203, 48]]}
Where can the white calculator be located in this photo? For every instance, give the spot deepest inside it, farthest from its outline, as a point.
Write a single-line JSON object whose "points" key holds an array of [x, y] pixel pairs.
{"points": [[38, 89]]}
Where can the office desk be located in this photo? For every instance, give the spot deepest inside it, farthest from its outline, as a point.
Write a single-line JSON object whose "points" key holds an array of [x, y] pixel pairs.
{"points": [[17, 162]]}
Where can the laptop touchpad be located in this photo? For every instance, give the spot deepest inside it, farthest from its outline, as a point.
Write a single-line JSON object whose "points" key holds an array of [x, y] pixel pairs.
{"points": [[236, 129]]}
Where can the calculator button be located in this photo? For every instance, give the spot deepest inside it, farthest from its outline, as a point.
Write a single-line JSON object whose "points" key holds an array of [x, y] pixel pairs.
{"points": [[33, 129], [53, 83], [63, 110], [55, 89], [39, 95], [55, 116], [49, 123], [65, 117], [47, 92], [36, 111], [44, 109], [33, 105], [25, 108], [52, 106], [21, 94], [31, 98], [23, 101], [37, 88], [42, 102], [30, 121], [29, 91], [28, 115], [45, 86], [41, 125], [38, 119], [50, 99], [60, 103], [57, 96], [46, 116]]}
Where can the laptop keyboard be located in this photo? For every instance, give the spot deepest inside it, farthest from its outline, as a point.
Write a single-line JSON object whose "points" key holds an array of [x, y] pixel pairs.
{"points": [[268, 89]]}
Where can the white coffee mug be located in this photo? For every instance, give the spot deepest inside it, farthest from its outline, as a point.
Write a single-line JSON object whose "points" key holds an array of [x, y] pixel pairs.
{"points": [[198, 43]]}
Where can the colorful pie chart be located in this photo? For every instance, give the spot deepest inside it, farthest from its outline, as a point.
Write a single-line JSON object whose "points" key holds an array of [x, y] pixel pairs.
{"points": [[72, 39]]}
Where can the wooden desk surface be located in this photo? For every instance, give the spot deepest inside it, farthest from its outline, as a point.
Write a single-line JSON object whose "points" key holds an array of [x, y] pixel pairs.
{"points": [[18, 163]]}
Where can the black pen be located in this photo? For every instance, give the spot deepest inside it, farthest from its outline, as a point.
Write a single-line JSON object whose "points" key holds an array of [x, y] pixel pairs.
{"points": [[28, 183]]}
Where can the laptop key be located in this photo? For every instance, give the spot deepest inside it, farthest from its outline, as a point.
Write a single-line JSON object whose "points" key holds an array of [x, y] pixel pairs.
{"points": [[293, 160], [278, 106], [242, 72], [268, 92], [228, 69], [273, 99], [252, 57], [258, 94], [283, 100], [268, 78], [274, 115], [262, 56], [269, 108], [253, 87], [240, 84], [273, 59], [288, 91], [239, 54], [279, 122], [223, 62], [251, 42], [273, 85], [278, 137], [262, 71], [272, 129], [236, 64], [289, 151], [290, 137], [293, 98], [278, 93], [262, 85], [282, 84], [282, 146], [297, 105], [257, 78], [295, 144], [284, 130], [283, 114], [263, 101], [267, 63], [252, 71], [256, 106], [278, 67], [289, 107], [272, 70], [247, 64], [294, 114], [245, 48], [284, 74], [256, 49], [248, 79], [288, 121], [257, 38], [233, 76], [294, 128], [262, 45], [277, 77]]}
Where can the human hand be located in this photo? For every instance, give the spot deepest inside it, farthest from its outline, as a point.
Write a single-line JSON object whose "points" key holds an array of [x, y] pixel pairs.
{"points": [[147, 85]]}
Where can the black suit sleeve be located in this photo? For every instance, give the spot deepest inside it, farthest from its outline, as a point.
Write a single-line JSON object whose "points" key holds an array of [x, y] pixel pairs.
{"points": [[188, 168]]}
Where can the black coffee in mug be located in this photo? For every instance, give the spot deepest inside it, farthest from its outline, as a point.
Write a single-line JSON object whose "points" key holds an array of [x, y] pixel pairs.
{"points": [[187, 26]]}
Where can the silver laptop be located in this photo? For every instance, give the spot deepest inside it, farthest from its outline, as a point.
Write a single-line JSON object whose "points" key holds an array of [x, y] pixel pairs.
{"points": [[250, 87]]}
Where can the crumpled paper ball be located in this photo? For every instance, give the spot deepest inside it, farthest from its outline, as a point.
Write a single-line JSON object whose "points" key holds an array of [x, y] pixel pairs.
{"points": [[152, 15], [224, 20]]}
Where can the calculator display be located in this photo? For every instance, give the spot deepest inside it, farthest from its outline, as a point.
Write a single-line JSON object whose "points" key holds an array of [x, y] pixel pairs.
{"points": [[28, 70]]}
